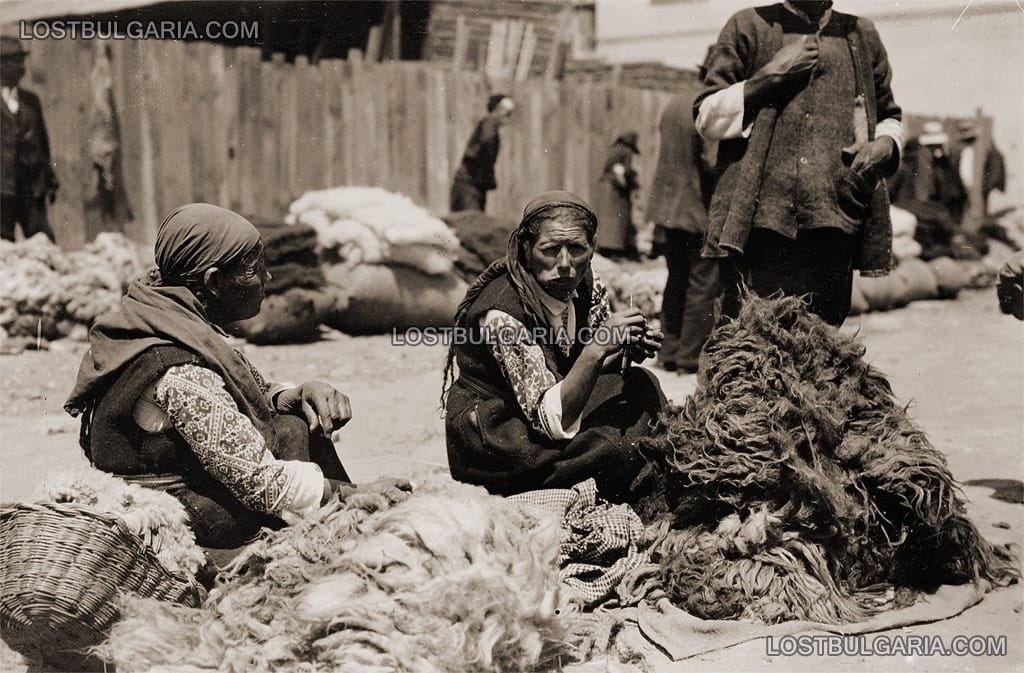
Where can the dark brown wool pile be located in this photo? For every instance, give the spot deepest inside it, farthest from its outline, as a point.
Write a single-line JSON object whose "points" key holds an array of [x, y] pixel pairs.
{"points": [[792, 486]]}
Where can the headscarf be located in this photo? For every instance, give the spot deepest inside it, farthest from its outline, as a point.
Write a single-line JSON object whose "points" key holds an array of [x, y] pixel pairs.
{"points": [[514, 265], [198, 236], [190, 240]]}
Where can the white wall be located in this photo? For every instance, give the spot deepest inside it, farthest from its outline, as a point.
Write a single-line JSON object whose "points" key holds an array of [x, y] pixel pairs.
{"points": [[943, 63]]}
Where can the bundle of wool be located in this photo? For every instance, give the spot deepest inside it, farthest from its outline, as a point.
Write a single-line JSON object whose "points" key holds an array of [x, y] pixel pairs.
{"points": [[789, 422], [452, 579], [949, 276], [290, 275], [884, 293], [294, 316], [369, 225], [858, 302], [47, 292], [919, 279], [482, 238], [156, 517], [633, 284], [383, 297]]}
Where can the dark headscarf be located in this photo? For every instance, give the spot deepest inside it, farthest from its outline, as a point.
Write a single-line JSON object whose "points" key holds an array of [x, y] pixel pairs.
{"points": [[514, 265], [191, 240]]}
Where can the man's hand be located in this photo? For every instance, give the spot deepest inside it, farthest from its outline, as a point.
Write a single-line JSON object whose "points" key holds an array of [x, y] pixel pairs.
{"points": [[795, 58], [323, 406], [867, 159]]}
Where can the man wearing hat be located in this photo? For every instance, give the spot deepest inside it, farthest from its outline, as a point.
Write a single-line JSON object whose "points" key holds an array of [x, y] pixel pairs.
{"points": [[27, 180], [964, 158]]}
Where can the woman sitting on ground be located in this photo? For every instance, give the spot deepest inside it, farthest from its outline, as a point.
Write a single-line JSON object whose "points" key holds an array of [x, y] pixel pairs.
{"points": [[543, 398], [168, 403]]}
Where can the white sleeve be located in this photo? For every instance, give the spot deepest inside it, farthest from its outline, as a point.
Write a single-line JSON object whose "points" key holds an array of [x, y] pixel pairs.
{"points": [[720, 116], [550, 412], [892, 128]]}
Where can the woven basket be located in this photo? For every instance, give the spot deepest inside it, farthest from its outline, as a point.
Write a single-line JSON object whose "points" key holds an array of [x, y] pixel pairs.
{"points": [[62, 567]]}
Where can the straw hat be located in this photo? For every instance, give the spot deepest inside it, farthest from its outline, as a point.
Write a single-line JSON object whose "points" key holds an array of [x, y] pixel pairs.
{"points": [[932, 133]]}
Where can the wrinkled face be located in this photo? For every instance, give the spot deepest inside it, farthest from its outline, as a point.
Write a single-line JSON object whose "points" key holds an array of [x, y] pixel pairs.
{"points": [[12, 69], [560, 256], [238, 291]]}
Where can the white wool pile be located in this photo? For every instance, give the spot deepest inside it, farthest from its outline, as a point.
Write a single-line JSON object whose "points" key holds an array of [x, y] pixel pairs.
{"points": [[156, 517], [642, 284], [370, 225], [41, 282], [904, 226], [450, 580]]}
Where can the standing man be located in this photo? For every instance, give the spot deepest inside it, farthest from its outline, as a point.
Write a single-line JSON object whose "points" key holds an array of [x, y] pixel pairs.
{"points": [[475, 176], [964, 157], [799, 97], [680, 195], [27, 180]]}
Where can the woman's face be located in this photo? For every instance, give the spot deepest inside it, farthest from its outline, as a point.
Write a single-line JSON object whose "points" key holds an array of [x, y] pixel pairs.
{"points": [[560, 256], [237, 292]]}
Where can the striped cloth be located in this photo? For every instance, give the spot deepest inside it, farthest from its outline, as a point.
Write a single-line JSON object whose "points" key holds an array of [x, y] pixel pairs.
{"points": [[600, 542]]}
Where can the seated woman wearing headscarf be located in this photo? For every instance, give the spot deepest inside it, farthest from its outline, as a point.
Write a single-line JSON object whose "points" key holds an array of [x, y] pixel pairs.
{"points": [[168, 403], [543, 398]]}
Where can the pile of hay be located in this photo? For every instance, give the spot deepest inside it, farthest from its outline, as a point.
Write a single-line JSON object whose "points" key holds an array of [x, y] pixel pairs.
{"points": [[452, 579], [792, 486]]}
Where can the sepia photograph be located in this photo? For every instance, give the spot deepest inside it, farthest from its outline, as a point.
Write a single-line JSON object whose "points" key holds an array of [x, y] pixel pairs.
{"points": [[511, 336]]}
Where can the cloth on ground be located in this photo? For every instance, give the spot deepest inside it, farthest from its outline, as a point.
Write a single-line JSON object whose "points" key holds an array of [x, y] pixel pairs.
{"points": [[680, 635], [599, 542]]}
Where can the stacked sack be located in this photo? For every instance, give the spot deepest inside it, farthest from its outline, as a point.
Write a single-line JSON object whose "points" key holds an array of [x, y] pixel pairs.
{"points": [[391, 258], [46, 293], [904, 226], [298, 298]]}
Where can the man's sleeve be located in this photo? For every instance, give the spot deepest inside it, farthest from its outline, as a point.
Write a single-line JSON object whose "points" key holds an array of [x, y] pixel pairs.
{"points": [[718, 109], [888, 113]]}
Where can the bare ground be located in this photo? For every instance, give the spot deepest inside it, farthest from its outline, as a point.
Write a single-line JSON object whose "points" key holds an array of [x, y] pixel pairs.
{"points": [[958, 364]]}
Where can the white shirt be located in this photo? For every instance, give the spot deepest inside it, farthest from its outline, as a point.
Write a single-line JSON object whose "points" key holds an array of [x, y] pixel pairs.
{"points": [[10, 96]]}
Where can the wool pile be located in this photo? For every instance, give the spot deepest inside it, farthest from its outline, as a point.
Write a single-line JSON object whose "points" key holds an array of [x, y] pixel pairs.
{"points": [[631, 283], [791, 485], [370, 225], [482, 238], [298, 299], [158, 518], [904, 224], [451, 579], [48, 293]]}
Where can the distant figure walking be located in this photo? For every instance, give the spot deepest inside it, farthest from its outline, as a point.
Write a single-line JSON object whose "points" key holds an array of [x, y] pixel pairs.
{"points": [[614, 198], [475, 176], [27, 180]]}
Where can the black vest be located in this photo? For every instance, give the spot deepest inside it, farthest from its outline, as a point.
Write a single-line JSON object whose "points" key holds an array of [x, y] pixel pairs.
{"points": [[115, 443], [474, 358]]}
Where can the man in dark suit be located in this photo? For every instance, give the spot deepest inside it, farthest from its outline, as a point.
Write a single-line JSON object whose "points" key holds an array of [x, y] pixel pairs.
{"points": [[27, 180]]}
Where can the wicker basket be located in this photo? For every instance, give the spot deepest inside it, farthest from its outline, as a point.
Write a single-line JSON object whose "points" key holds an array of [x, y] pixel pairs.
{"points": [[62, 567]]}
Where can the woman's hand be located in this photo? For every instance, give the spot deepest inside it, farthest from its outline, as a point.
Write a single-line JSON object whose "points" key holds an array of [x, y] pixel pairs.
{"points": [[648, 345], [395, 490], [621, 327], [324, 407]]}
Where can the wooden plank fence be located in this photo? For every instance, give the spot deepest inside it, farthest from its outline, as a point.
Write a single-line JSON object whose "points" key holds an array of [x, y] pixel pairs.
{"points": [[201, 122]]}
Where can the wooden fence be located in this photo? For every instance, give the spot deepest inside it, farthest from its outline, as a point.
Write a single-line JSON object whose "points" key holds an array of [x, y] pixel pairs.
{"points": [[200, 122]]}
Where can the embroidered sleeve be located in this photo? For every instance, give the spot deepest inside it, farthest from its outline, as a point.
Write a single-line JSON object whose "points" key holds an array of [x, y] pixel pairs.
{"points": [[600, 308], [521, 362], [230, 447]]}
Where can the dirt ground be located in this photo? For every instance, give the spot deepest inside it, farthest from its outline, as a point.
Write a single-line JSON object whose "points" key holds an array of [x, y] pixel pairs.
{"points": [[958, 364]]}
